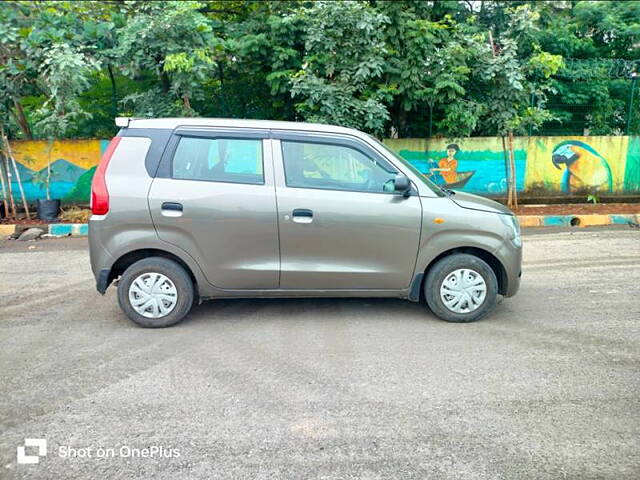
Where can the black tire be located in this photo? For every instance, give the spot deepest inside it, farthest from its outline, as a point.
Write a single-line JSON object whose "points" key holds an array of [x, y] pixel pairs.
{"points": [[439, 272], [174, 272]]}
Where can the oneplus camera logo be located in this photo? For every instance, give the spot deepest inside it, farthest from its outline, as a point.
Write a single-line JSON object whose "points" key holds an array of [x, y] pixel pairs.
{"points": [[40, 443]]}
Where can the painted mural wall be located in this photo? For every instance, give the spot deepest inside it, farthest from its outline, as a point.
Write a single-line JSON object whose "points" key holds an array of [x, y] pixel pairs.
{"points": [[543, 164], [571, 165], [73, 163]]}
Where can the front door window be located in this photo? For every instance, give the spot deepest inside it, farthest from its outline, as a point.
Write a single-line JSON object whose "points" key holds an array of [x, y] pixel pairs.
{"points": [[335, 167]]}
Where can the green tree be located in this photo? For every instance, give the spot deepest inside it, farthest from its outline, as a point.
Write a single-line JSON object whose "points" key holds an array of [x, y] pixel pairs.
{"points": [[429, 63], [173, 40], [340, 80], [64, 75], [17, 68], [406, 68], [515, 79], [601, 44]]}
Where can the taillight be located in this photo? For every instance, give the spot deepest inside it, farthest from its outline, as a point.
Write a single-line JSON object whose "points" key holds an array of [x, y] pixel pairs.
{"points": [[99, 192]]}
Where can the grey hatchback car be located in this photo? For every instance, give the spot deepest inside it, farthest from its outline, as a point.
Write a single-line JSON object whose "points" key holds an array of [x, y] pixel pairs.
{"points": [[187, 209]]}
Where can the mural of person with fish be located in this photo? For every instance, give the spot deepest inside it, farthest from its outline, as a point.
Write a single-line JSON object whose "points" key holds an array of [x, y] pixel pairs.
{"points": [[445, 171], [585, 168], [449, 165]]}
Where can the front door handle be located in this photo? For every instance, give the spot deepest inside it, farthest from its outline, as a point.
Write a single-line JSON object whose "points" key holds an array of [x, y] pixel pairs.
{"points": [[302, 215], [302, 212], [172, 206]]}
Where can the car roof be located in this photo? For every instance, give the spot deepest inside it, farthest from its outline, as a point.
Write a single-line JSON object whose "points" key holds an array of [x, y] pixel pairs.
{"points": [[238, 123]]}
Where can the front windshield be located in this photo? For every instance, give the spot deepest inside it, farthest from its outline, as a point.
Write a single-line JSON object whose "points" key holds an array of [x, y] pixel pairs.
{"points": [[421, 176]]}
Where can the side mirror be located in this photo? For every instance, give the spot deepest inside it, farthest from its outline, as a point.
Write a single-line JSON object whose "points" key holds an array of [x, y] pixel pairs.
{"points": [[402, 184]]}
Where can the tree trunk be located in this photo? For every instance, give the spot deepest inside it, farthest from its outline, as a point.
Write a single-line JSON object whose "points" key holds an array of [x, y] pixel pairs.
{"points": [[430, 119], [221, 78], [7, 172], [402, 120], [48, 190], [21, 119], [3, 182], [164, 79], [507, 168], [25, 205], [114, 91], [513, 197]]}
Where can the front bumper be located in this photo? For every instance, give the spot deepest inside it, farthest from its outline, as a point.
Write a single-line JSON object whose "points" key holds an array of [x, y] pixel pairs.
{"points": [[511, 258]]}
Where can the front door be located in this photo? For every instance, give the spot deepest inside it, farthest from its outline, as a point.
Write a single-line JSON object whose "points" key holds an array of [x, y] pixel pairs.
{"points": [[342, 226], [217, 202]]}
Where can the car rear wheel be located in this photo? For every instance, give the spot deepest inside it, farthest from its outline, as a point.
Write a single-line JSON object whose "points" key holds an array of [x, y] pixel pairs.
{"points": [[156, 292], [461, 288]]}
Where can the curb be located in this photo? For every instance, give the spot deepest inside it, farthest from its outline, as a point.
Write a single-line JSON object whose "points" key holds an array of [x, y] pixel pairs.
{"points": [[64, 229], [55, 229], [7, 230], [590, 220]]}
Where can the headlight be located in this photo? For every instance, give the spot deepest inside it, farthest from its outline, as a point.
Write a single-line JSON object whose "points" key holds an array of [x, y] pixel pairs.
{"points": [[514, 227]]}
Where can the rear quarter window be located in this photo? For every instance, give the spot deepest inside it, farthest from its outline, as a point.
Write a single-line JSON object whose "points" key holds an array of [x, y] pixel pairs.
{"points": [[158, 137]]}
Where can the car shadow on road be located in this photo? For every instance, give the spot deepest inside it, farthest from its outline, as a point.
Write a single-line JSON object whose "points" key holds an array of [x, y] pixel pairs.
{"points": [[308, 309]]}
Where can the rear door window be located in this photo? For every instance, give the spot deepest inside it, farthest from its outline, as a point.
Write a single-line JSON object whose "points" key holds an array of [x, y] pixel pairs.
{"points": [[232, 160]]}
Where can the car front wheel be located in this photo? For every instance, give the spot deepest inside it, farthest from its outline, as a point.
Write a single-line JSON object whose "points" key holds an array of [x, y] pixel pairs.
{"points": [[461, 288]]}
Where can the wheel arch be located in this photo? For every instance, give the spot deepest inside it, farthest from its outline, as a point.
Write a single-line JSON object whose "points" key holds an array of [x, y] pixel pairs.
{"points": [[488, 257], [129, 258]]}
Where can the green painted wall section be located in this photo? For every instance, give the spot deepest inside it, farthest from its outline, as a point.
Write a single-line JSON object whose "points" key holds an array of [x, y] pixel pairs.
{"points": [[632, 171]]}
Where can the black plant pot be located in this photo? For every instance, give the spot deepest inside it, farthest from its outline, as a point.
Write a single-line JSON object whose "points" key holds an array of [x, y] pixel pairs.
{"points": [[48, 210]]}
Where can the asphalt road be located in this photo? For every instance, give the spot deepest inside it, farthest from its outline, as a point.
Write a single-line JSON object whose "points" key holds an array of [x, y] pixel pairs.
{"points": [[548, 386]]}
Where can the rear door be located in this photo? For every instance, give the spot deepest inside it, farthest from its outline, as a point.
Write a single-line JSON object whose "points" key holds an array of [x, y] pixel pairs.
{"points": [[214, 197], [342, 226]]}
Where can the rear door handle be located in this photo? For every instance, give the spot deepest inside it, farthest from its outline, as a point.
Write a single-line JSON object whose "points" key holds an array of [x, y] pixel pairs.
{"points": [[302, 215], [172, 206], [171, 209]]}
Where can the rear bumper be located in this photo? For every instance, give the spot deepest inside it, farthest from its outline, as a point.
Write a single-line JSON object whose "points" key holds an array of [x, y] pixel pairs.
{"points": [[102, 280], [101, 260]]}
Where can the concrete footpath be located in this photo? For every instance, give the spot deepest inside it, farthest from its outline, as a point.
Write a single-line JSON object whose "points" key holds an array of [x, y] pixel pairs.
{"points": [[589, 220]]}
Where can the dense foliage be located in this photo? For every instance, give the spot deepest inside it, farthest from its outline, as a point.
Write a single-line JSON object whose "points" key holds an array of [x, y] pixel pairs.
{"points": [[406, 68]]}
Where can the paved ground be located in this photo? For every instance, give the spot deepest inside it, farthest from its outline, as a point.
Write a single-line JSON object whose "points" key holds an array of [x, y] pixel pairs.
{"points": [[546, 387]]}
